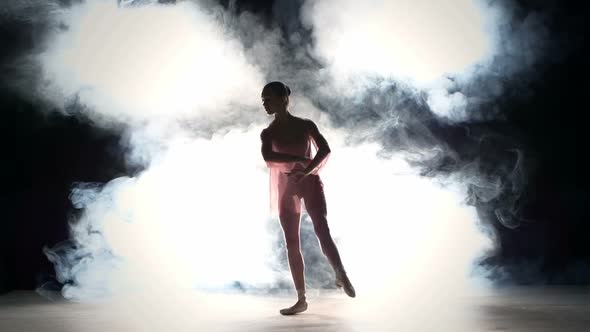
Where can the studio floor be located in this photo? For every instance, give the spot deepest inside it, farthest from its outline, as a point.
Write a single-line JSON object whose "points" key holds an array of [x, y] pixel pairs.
{"points": [[516, 309]]}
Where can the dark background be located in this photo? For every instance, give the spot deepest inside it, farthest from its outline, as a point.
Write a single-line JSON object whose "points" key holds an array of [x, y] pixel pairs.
{"points": [[45, 152]]}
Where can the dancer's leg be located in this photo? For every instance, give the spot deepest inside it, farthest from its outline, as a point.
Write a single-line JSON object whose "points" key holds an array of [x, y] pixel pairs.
{"points": [[290, 216], [290, 225], [315, 204], [322, 231]]}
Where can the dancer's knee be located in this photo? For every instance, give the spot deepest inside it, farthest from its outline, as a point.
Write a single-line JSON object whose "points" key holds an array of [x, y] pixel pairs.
{"points": [[292, 244], [289, 219]]}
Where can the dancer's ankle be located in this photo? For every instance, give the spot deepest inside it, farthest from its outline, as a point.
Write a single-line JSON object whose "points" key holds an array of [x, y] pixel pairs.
{"points": [[301, 295]]}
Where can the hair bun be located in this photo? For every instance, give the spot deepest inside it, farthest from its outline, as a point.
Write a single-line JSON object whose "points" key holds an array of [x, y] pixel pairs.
{"points": [[278, 89]]}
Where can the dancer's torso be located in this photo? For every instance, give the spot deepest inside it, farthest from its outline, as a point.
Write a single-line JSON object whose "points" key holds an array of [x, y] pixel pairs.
{"points": [[291, 138]]}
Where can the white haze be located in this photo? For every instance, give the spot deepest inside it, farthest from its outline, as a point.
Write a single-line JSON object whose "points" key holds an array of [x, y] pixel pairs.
{"points": [[197, 216], [433, 46], [420, 40], [149, 62]]}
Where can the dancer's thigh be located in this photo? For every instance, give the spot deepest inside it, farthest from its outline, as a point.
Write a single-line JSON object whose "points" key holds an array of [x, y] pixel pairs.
{"points": [[314, 198], [289, 215]]}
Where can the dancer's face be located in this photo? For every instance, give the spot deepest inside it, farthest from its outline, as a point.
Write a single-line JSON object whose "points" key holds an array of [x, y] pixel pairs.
{"points": [[272, 103]]}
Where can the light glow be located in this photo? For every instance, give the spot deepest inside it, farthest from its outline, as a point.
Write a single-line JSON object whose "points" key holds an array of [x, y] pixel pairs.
{"points": [[149, 62], [416, 40]]}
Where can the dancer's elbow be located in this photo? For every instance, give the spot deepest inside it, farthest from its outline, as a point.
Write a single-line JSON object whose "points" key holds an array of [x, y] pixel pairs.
{"points": [[267, 153], [268, 157]]}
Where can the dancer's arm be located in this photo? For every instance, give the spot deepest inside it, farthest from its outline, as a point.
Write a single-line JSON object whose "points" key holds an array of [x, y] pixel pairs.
{"points": [[271, 156], [322, 146]]}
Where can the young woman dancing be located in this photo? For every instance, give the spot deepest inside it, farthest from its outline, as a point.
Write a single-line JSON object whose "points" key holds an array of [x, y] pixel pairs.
{"points": [[286, 148]]}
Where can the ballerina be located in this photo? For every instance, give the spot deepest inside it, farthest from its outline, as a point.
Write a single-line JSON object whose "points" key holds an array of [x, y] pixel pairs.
{"points": [[286, 148]]}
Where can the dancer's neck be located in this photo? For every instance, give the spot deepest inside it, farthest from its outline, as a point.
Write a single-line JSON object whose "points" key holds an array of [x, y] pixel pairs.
{"points": [[282, 116]]}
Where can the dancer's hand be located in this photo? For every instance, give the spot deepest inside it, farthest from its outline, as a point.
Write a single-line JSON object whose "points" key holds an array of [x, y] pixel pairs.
{"points": [[297, 176]]}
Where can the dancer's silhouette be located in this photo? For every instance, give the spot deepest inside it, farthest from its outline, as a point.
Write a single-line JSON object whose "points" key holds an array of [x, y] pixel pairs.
{"points": [[286, 148]]}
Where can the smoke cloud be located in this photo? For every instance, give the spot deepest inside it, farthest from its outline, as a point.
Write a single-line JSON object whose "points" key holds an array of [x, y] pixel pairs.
{"points": [[393, 85], [461, 55], [118, 62]]}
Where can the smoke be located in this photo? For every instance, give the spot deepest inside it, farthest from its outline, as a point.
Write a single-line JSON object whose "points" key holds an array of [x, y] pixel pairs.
{"points": [[448, 125], [416, 40], [180, 222], [394, 86], [118, 62], [462, 55], [426, 89]]}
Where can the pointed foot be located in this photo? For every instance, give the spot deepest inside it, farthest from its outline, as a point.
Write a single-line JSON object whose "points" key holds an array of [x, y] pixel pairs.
{"points": [[343, 282]]}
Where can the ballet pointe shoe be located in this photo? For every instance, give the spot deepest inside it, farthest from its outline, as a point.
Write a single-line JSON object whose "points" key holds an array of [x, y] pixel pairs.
{"points": [[343, 282], [297, 308]]}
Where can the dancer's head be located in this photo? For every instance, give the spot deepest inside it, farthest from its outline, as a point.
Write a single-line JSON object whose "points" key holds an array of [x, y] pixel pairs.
{"points": [[275, 97]]}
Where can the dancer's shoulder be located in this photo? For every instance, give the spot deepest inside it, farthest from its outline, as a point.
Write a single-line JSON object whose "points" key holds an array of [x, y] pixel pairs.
{"points": [[310, 126], [265, 133], [304, 122]]}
